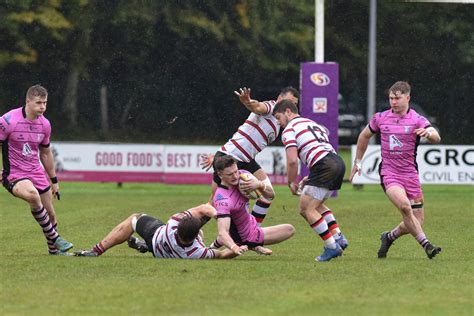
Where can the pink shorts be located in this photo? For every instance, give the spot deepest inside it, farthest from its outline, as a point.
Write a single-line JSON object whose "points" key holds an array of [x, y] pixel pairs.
{"points": [[411, 185], [37, 177]]}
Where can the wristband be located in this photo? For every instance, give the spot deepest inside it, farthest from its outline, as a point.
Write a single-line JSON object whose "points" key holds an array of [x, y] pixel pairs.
{"points": [[54, 180], [358, 163]]}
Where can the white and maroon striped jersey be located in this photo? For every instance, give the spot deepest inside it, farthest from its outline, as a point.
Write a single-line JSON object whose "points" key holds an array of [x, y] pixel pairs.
{"points": [[165, 244], [311, 140], [257, 132]]}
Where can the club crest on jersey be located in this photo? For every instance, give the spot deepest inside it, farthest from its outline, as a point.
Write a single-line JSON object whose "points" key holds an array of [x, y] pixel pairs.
{"points": [[320, 79], [27, 150], [407, 129], [394, 142]]}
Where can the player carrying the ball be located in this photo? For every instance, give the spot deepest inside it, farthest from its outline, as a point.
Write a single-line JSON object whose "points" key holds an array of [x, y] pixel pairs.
{"points": [[258, 131], [236, 227]]}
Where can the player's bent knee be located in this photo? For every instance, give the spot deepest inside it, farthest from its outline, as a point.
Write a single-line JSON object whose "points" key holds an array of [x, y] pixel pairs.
{"points": [[134, 219], [406, 209]]}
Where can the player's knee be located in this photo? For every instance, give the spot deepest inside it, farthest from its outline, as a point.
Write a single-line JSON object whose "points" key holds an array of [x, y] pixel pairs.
{"points": [[32, 196], [290, 230], [406, 209], [134, 219]]}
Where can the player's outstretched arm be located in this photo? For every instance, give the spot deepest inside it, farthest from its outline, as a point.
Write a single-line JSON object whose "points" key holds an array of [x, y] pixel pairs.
{"points": [[206, 161], [224, 254], [362, 144], [252, 105], [203, 211], [223, 226]]}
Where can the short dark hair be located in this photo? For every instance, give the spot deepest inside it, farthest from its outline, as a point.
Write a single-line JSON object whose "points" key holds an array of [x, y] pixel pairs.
{"points": [[36, 91], [291, 90], [281, 107], [224, 162], [188, 229], [401, 86]]}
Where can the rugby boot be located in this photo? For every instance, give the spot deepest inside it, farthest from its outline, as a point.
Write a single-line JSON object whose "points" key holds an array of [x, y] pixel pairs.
{"points": [[61, 253], [342, 241], [62, 244], [385, 244], [138, 244], [86, 253], [432, 250], [329, 253]]}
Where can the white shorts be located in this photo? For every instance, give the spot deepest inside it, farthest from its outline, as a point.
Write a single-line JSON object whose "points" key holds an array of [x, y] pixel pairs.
{"points": [[317, 193]]}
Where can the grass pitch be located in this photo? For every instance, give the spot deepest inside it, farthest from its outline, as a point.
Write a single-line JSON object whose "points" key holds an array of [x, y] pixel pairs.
{"points": [[290, 282]]}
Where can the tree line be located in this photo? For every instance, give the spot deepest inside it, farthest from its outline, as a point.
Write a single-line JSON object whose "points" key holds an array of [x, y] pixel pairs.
{"points": [[165, 71]]}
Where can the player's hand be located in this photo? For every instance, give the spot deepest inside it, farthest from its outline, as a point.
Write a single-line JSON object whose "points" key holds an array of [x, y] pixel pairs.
{"points": [[206, 161], [239, 250], [293, 188], [55, 191], [244, 95], [357, 169], [250, 184], [423, 132], [301, 185]]}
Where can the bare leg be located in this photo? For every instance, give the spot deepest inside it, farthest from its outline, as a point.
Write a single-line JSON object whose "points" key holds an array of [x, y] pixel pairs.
{"points": [[399, 198], [119, 234]]}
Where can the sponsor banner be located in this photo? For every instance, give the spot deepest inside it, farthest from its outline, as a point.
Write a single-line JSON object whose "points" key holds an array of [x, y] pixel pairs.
{"points": [[437, 164], [106, 162]]}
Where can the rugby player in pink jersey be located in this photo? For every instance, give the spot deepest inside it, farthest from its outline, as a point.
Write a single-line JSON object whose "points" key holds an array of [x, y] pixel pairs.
{"points": [[258, 131], [308, 141], [236, 227], [25, 136], [400, 129], [179, 238]]}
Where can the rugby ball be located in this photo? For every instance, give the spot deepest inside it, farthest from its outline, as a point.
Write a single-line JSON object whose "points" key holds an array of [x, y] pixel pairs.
{"points": [[251, 195]]}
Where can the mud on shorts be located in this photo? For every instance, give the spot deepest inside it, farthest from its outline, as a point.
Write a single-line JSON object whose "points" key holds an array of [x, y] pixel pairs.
{"points": [[146, 228], [325, 176], [251, 166], [411, 184], [37, 177]]}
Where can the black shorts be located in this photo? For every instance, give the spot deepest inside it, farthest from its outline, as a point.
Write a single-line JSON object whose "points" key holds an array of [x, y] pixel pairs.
{"points": [[146, 228], [328, 172], [251, 166], [9, 185]]}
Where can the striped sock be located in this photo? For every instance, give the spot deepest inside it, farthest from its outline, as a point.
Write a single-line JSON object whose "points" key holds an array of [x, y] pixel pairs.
{"points": [[260, 210], [51, 247], [215, 244], [42, 217], [321, 228], [394, 234], [332, 224], [422, 240], [99, 249]]}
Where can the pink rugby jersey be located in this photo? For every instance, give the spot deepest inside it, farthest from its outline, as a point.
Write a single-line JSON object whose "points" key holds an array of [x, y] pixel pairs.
{"points": [[229, 202], [310, 139], [257, 132], [21, 140], [398, 139], [165, 244]]}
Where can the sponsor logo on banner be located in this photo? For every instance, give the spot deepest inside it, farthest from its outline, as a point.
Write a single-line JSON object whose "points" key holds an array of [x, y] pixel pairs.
{"points": [[437, 164], [320, 105], [320, 79]]}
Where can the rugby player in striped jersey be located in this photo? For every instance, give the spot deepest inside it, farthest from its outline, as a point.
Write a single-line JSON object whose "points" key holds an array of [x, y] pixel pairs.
{"points": [[258, 131], [180, 238], [308, 141]]}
